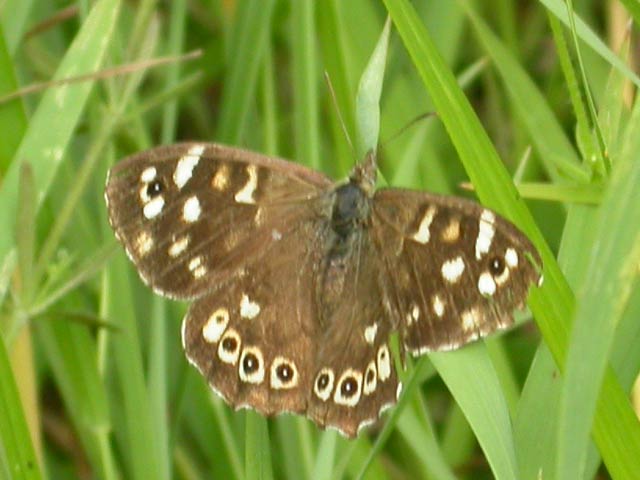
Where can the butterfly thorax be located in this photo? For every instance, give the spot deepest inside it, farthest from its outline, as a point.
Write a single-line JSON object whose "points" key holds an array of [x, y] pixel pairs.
{"points": [[350, 217], [351, 209]]}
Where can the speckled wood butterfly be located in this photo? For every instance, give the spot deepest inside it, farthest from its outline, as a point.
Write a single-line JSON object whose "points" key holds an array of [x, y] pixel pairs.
{"points": [[298, 282]]}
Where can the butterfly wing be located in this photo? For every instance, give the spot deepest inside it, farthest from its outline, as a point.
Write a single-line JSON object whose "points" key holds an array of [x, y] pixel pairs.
{"points": [[191, 215], [457, 271], [354, 374], [254, 338]]}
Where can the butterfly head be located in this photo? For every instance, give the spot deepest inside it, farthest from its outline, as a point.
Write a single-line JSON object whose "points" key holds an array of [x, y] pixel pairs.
{"points": [[364, 174]]}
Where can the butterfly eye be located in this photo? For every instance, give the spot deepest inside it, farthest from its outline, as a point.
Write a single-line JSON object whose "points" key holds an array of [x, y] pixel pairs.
{"points": [[496, 266], [154, 188]]}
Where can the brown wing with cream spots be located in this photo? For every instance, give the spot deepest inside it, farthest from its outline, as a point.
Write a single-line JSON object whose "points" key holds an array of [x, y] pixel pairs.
{"points": [[189, 215], [355, 378], [254, 338], [456, 271]]}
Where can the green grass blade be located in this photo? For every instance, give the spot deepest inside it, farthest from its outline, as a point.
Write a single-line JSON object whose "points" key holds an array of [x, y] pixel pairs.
{"points": [[368, 97], [257, 454], [610, 278], [586, 34], [325, 457], [472, 379], [305, 83], [13, 119], [16, 448], [556, 152], [245, 59], [71, 353], [138, 426], [13, 16], [43, 146]]}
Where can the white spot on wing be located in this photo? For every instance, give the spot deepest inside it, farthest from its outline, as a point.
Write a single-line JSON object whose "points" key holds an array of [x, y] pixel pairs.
{"points": [[453, 269], [153, 208], [370, 378], [248, 308], [469, 319], [179, 246], [384, 363], [423, 234], [144, 243], [486, 284], [245, 194], [503, 277], [196, 267], [370, 333], [438, 305], [191, 210], [452, 232], [511, 257], [486, 231], [221, 178], [148, 174], [415, 313], [216, 325], [186, 164]]}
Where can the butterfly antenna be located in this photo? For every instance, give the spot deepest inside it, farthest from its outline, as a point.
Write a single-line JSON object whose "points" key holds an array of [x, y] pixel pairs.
{"points": [[415, 120], [334, 99]]}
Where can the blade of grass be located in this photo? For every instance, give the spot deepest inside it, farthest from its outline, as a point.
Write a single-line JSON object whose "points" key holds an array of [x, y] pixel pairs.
{"points": [[70, 351], [610, 275], [596, 144], [14, 15], [15, 442], [158, 370], [13, 121], [325, 456], [305, 83], [141, 451], [368, 96], [586, 34], [332, 34], [42, 145], [257, 463], [556, 152], [245, 59]]}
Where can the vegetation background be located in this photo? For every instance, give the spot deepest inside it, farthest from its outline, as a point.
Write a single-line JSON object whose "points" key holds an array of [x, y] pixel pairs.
{"points": [[93, 382]]}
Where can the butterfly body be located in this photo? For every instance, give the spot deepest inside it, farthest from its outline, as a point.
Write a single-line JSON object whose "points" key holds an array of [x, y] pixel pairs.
{"points": [[298, 282]]}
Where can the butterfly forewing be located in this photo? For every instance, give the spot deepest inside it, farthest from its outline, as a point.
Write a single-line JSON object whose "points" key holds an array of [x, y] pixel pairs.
{"points": [[459, 270], [191, 215], [298, 282]]}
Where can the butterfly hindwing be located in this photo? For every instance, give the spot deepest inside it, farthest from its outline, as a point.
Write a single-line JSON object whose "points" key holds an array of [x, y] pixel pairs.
{"points": [[254, 337], [190, 215], [355, 377], [459, 270]]}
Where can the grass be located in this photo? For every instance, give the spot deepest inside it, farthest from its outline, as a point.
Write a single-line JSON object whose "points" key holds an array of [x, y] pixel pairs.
{"points": [[93, 380]]}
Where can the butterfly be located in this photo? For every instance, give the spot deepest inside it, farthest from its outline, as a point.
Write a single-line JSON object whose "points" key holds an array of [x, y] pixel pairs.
{"points": [[297, 282]]}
